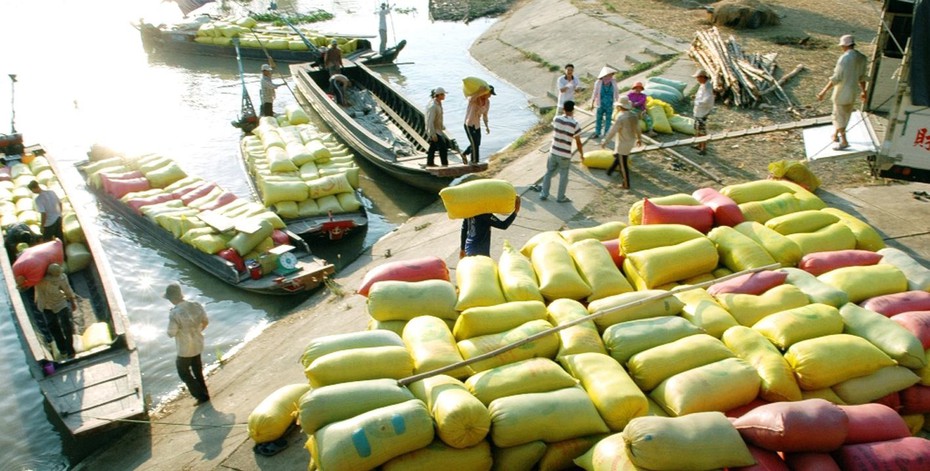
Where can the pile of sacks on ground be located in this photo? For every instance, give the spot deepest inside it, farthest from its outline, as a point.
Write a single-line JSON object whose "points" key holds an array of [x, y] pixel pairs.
{"points": [[17, 206], [258, 35], [663, 96], [158, 189], [818, 361], [298, 171]]}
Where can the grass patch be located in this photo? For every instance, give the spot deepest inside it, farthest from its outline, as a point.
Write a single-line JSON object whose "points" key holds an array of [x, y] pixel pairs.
{"points": [[275, 18]]}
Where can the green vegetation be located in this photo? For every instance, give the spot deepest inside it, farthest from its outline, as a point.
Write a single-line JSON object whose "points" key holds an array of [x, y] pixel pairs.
{"points": [[275, 18]]}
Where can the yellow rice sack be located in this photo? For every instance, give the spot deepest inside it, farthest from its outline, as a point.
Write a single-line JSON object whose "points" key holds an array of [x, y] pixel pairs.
{"points": [[659, 119], [558, 277], [296, 114], [833, 237], [788, 327], [546, 346], [271, 418], [704, 440], [334, 343], [867, 238], [473, 85], [404, 300], [632, 306], [579, 338], [638, 238], [478, 283], [533, 375], [762, 211], [539, 238], [614, 394], [662, 265], [432, 346], [883, 382], [720, 386], [607, 231], [438, 455], [861, 283], [738, 251], [517, 277], [817, 291], [329, 185], [518, 458], [78, 257], [757, 190], [782, 249], [561, 455], [650, 367], [524, 418], [918, 276], [244, 242], [924, 372], [702, 310], [369, 440], [321, 153], [274, 192], [461, 419], [598, 270], [635, 215], [801, 222], [359, 364], [889, 336], [165, 175], [826, 394], [600, 158], [349, 202], [394, 326], [328, 204], [625, 339], [777, 377], [825, 361], [478, 321], [96, 335], [608, 454], [329, 404], [478, 197], [748, 309]]}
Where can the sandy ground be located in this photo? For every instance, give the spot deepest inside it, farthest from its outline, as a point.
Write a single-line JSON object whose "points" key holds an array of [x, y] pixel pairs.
{"points": [[520, 48]]}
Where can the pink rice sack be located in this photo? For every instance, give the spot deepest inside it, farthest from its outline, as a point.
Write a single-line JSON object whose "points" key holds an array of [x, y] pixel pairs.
{"points": [[873, 423], [903, 454], [918, 323], [699, 217], [750, 283], [818, 263], [896, 303], [420, 269], [808, 425], [726, 211]]}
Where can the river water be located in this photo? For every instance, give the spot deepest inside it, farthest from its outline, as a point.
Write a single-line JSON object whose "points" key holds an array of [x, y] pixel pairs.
{"points": [[83, 78]]}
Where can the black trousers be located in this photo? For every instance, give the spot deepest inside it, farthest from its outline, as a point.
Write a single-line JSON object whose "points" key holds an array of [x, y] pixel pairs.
{"points": [[190, 369], [266, 109], [621, 162], [61, 326], [442, 145], [54, 230], [474, 142]]}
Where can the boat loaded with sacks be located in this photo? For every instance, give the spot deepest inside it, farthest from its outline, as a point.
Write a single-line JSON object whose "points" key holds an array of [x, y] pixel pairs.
{"points": [[305, 177], [100, 384], [237, 240], [749, 327], [380, 124]]}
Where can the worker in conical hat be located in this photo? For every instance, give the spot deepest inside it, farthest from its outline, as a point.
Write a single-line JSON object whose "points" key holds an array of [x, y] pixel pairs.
{"points": [[602, 99]]}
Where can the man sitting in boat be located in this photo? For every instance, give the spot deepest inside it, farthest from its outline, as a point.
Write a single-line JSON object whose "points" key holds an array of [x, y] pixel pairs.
{"points": [[332, 59], [268, 91], [339, 85]]}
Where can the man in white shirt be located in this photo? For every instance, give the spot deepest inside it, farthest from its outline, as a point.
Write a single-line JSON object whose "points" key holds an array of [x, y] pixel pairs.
{"points": [[382, 25], [703, 105], [268, 91], [186, 322], [49, 207], [848, 83], [566, 85]]}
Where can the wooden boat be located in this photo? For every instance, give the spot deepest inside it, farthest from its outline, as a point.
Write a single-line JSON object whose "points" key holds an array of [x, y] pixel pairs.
{"points": [[404, 123], [181, 40], [307, 274], [99, 386]]}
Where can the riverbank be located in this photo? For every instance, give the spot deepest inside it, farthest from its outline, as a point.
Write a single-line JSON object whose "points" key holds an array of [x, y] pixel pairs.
{"points": [[213, 436]]}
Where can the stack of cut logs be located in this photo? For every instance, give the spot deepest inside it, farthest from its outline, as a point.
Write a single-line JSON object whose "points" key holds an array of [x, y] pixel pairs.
{"points": [[741, 79]]}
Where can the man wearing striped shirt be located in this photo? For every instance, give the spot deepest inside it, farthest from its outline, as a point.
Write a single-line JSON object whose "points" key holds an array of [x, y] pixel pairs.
{"points": [[564, 130]]}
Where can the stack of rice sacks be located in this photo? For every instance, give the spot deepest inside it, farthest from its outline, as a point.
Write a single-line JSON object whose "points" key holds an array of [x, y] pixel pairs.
{"points": [[157, 188], [822, 361], [255, 35], [299, 172], [17, 205]]}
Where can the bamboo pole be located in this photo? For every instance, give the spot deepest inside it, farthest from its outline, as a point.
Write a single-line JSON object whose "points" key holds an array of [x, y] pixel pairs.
{"points": [[484, 356]]}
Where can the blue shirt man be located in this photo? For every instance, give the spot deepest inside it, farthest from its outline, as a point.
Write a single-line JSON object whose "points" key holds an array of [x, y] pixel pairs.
{"points": [[476, 231]]}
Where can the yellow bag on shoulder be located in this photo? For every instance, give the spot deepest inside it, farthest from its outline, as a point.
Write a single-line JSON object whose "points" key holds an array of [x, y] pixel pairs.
{"points": [[478, 197]]}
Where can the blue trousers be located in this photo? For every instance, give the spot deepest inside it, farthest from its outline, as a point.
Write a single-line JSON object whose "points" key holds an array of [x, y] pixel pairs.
{"points": [[555, 165], [602, 115]]}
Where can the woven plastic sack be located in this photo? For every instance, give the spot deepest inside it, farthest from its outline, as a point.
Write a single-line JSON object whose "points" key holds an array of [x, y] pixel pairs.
{"points": [[328, 185], [830, 238], [615, 395], [561, 455], [662, 265], [757, 190], [750, 283], [896, 303], [763, 210], [726, 211], [31, 265], [632, 306], [478, 197], [785, 328], [737, 251], [678, 199], [432, 346], [917, 323], [702, 310], [329, 404], [778, 382], [401, 300], [580, 338], [461, 419], [339, 342], [796, 171], [604, 232], [817, 291], [600, 158], [525, 418], [650, 367], [359, 364], [782, 249], [812, 425], [558, 277], [873, 423], [872, 387], [518, 458], [861, 283], [657, 113], [918, 276], [485, 320], [271, 418], [420, 269], [700, 441], [889, 336], [625, 339], [478, 283], [608, 454], [541, 237], [824, 361], [718, 386], [534, 375], [438, 455], [801, 222], [274, 192], [517, 277], [597, 269], [907, 454], [545, 346], [700, 217], [748, 309], [296, 114]]}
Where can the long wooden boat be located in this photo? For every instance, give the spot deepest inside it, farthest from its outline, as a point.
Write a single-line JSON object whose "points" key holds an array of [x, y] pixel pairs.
{"points": [[309, 271], [99, 386], [403, 121], [182, 40]]}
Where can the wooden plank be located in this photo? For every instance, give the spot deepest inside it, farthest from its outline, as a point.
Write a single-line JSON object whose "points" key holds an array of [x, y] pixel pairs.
{"points": [[246, 226], [413, 134], [805, 123], [281, 249], [217, 221]]}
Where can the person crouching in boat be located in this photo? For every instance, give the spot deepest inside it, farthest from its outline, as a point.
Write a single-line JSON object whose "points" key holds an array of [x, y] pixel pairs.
{"points": [[56, 301], [268, 91], [339, 85], [435, 129]]}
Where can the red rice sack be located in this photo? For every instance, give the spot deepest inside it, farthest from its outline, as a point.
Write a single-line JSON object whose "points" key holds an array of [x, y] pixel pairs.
{"points": [[426, 268], [750, 283], [138, 203], [197, 193], [30, 267], [819, 263], [613, 248], [873, 423], [803, 426], [915, 399], [811, 462], [635, 215], [726, 211], [233, 257], [280, 237], [220, 201], [918, 323], [896, 303], [903, 454], [119, 187], [699, 217], [765, 461]]}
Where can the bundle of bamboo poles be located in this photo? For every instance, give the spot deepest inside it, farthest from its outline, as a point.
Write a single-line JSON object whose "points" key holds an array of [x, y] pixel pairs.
{"points": [[741, 79]]}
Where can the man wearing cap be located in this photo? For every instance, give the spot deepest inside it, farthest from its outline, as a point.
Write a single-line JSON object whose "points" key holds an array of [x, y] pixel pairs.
{"points": [[332, 59], [566, 85], [49, 207], [56, 300], [638, 99], [626, 128], [268, 91], [477, 110], [186, 322], [435, 130], [703, 105], [565, 129], [847, 82], [382, 25], [603, 98]]}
